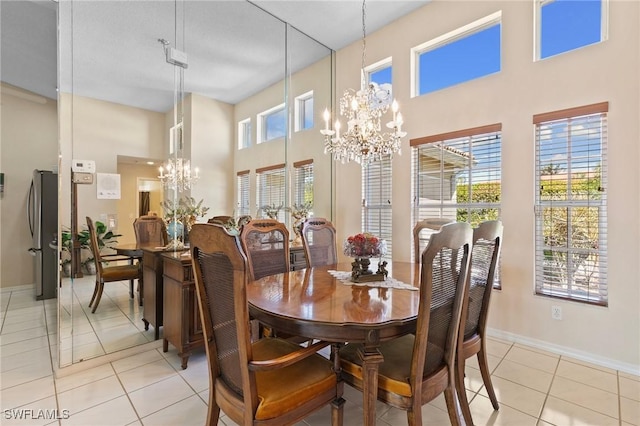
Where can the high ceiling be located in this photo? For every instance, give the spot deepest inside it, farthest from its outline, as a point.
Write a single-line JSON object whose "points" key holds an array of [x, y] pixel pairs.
{"points": [[234, 48]]}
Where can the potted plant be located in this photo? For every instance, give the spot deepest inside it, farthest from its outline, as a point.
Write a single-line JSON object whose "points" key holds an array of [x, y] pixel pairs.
{"points": [[65, 247], [181, 215]]}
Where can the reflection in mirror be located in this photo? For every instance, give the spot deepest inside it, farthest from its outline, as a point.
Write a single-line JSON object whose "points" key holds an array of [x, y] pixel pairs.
{"points": [[248, 104]]}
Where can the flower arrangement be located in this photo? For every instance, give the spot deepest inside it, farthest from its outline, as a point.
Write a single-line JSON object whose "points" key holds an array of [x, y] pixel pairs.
{"points": [[186, 211], [364, 245], [271, 211]]}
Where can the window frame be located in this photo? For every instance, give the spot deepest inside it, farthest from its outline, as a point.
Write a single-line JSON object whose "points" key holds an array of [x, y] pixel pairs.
{"points": [[476, 137], [379, 66], [270, 198], [300, 110], [243, 193], [445, 39], [262, 123], [542, 250], [303, 170], [537, 23], [244, 133]]}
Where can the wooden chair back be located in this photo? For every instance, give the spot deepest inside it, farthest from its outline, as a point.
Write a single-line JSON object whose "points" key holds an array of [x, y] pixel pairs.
{"points": [[420, 366], [422, 231], [266, 244], [319, 242], [219, 219], [150, 230], [487, 238], [247, 390]]}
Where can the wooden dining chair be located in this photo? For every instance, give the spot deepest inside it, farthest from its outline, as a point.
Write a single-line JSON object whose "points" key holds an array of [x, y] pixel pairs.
{"points": [[419, 367], [266, 244], [487, 239], [319, 242], [105, 274], [150, 230], [267, 382], [425, 226], [219, 219]]}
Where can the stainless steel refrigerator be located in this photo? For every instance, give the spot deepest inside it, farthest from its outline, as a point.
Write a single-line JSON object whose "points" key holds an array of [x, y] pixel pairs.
{"points": [[42, 212]]}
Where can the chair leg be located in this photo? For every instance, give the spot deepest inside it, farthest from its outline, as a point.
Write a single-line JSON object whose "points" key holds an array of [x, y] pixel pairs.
{"points": [[95, 291], [462, 392], [100, 289], [140, 291], [453, 407], [213, 413], [486, 376], [337, 412]]}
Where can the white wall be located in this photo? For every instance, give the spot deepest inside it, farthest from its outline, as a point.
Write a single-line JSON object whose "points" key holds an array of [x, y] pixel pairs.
{"points": [[608, 71], [28, 141]]}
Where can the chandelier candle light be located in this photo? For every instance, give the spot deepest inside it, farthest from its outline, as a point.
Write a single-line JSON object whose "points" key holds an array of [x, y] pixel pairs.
{"points": [[177, 174], [364, 141]]}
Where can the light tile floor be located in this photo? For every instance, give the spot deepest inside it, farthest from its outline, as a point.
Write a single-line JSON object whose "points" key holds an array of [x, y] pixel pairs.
{"points": [[534, 387]]}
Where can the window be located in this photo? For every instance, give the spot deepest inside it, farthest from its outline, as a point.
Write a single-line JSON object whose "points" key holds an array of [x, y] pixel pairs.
{"points": [[271, 188], [564, 25], [458, 175], [272, 124], [376, 201], [380, 73], [465, 54], [303, 176], [304, 111], [243, 193], [571, 205], [244, 134]]}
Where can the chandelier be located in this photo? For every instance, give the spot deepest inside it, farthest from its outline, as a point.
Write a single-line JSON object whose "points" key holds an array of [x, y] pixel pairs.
{"points": [[176, 174], [364, 140]]}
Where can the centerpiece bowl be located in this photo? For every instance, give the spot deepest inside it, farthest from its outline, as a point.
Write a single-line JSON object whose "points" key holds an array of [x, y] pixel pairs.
{"points": [[362, 247]]}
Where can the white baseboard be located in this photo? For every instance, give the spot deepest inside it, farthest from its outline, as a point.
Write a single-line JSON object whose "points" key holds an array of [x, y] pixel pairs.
{"points": [[566, 351]]}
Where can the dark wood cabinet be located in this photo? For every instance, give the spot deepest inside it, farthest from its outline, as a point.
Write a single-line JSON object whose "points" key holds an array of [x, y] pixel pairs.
{"points": [[182, 327], [152, 289], [297, 258]]}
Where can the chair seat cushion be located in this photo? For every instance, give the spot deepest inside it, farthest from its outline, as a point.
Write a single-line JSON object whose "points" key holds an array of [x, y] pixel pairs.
{"points": [[284, 389], [120, 272], [394, 372]]}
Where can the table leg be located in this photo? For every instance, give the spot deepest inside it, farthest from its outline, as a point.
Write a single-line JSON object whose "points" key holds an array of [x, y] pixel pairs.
{"points": [[371, 359]]}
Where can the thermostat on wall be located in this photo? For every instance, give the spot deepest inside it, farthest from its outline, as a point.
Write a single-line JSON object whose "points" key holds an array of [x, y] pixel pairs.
{"points": [[83, 166]]}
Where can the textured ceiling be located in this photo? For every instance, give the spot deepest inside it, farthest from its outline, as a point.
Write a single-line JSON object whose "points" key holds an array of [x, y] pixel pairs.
{"points": [[235, 48]]}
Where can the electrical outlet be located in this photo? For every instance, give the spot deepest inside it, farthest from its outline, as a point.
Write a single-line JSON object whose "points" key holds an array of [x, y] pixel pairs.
{"points": [[556, 312]]}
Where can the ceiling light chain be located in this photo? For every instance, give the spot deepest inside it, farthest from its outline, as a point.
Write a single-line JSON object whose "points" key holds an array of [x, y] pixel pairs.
{"points": [[364, 141]]}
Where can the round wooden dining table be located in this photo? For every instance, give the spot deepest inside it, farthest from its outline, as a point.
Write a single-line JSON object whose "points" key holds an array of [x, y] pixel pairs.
{"points": [[312, 303]]}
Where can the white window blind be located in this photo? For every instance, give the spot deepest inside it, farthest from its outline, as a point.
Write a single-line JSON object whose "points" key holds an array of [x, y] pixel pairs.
{"points": [[571, 203], [376, 201], [243, 193], [271, 188], [303, 177], [457, 176]]}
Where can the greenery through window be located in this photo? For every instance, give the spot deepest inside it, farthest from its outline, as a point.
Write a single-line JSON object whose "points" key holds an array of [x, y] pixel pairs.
{"points": [[571, 208]]}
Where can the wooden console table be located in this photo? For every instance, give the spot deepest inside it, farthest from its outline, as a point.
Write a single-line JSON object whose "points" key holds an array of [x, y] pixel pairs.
{"points": [[182, 327]]}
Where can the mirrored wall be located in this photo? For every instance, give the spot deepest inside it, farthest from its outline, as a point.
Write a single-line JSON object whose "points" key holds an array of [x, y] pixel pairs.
{"points": [[224, 85]]}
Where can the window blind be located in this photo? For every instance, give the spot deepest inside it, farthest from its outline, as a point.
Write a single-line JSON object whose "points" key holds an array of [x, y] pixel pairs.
{"points": [[271, 188], [303, 182], [376, 201], [243, 207], [457, 176], [571, 204]]}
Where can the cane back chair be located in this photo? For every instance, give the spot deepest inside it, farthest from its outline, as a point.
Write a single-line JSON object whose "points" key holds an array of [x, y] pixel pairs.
{"points": [[425, 227], [319, 242], [106, 274], [419, 367], [270, 381], [484, 259], [266, 244]]}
